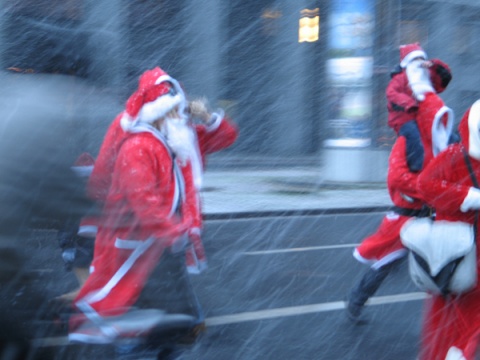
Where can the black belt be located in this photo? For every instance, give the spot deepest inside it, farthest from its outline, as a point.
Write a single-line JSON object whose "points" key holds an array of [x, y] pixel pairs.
{"points": [[423, 212]]}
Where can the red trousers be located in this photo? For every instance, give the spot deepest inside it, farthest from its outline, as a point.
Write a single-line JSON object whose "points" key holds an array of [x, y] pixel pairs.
{"points": [[384, 245]]}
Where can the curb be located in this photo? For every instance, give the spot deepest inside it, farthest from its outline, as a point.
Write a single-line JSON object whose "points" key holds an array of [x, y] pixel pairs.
{"points": [[291, 213]]}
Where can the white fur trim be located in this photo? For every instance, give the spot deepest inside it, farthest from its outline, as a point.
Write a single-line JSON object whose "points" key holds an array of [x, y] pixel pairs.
{"points": [[197, 167], [198, 266], [455, 353], [119, 274], [195, 231], [360, 258], [82, 171], [407, 198], [178, 88], [87, 231], [473, 131], [392, 216], [158, 108], [127, 122], [440, 132], [389, 258], [127, 244], [215, 120], [411, 56], [377, 264]]}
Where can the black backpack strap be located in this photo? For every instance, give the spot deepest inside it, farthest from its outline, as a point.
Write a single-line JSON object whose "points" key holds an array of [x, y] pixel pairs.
{"points": [[475, 184]]}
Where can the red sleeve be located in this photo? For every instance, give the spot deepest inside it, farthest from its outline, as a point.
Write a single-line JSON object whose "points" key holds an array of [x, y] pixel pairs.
{"points": [[399, 176], [440, 74], [218, 139], [398, 94], [191, 206], [144, 173], [441, 183]]}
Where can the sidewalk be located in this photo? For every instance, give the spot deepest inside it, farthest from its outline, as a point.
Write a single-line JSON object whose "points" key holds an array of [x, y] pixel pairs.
{"points": [[240, 192]]}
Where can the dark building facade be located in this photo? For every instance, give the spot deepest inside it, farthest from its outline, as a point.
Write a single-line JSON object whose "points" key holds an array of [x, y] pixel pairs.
{"points": [[298, 77]]}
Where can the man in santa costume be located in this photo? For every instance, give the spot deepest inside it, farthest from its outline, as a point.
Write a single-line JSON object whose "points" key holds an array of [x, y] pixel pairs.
{"points": [[214, 132], [383, 249], [147, 175], [451, 327], [404, 91]]}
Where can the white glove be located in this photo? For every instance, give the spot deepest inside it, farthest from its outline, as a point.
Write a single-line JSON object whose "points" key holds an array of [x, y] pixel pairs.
{"points": [[471, 201]]}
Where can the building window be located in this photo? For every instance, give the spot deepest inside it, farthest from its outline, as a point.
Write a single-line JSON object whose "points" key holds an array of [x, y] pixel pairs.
{"points": [[270, 21], [309, 25], [411, 31]]}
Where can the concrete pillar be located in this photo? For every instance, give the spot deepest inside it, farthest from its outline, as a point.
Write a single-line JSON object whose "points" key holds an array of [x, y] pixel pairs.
{"points": [[349, 157]]}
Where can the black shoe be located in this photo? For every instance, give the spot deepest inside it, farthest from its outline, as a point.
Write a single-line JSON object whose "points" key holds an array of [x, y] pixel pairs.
{"points": [[354, 312]]}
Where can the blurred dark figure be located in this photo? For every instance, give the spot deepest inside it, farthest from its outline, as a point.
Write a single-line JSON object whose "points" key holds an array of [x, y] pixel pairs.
{"points": [[36, 185], [77, 239]]}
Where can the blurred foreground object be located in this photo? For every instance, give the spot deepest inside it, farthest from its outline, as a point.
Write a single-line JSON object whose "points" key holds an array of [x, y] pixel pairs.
{"points": [[39, 136]]}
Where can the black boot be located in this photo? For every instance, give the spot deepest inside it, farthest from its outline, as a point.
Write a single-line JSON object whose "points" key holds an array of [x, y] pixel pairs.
{"points": [[367, 286]]}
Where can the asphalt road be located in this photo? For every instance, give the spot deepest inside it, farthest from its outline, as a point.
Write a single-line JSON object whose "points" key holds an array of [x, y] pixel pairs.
{"points": [[274, 289]]}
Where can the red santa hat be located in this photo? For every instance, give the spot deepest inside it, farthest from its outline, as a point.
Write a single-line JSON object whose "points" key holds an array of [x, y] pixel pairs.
{"points": [[83, 166], [157, 94], [409, 52]]}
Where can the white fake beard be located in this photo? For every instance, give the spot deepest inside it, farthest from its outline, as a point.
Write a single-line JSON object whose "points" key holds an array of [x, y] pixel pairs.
{"points": [[180, 138], [419, 79]]}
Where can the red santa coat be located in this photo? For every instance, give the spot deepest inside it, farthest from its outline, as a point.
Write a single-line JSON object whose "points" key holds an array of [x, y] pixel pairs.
{"points": [[220, 135], [453, 324], [401, 104], [215, 137], [385, 246], [143, 216]]}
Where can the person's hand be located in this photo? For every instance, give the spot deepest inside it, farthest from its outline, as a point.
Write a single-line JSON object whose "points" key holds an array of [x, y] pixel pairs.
{"points": [[176, 229], [177, 237], [426, 64], [199, 109]]}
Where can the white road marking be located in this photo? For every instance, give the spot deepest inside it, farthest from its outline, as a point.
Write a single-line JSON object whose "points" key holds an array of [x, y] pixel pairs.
{"points": [[271, 314], [307, 309], [309, 248]]}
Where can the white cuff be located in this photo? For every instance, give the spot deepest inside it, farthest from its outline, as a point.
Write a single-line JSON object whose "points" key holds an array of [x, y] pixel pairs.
{"points": [[471, 201], [195, 231], [215, 120], [455, 353]]}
